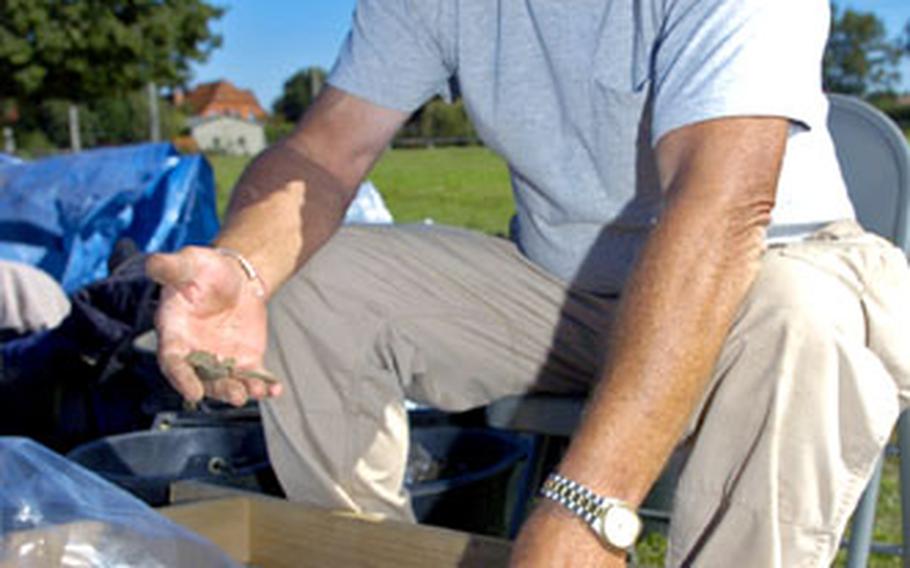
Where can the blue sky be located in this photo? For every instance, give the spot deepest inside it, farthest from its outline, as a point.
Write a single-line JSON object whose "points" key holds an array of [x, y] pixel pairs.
{"points": [[266, 41]]}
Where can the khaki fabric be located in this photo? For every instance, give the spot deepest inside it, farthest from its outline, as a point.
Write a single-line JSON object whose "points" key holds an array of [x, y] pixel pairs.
{"points": [[439, 315], [806, 392], [804, 395]]}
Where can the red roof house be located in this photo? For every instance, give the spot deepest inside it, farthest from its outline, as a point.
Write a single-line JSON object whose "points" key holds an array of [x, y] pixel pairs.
{"points": [[222, 98]]}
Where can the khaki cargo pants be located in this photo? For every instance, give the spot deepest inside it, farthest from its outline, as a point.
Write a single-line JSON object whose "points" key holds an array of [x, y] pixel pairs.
{"points": [[805, 393]]}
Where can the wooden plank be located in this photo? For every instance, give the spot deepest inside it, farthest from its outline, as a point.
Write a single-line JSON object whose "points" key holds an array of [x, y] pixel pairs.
{"points": [[291, 535], [274, 533], [225, 522], [188, 491]]}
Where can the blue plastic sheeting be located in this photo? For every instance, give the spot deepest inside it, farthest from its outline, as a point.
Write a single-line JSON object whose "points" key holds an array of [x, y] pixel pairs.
{"points": [[64, 214], [8, 160]]}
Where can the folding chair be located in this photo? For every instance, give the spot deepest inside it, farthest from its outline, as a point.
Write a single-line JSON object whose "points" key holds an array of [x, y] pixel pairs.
{"points": [[875, 160]]}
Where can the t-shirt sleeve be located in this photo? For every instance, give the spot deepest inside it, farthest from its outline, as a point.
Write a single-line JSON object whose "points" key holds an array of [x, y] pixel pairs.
{"points": [[395, 54], [723, 58]]}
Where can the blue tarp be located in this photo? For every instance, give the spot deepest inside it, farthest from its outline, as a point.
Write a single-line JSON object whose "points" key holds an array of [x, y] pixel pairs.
{"points": [[64, 214]]}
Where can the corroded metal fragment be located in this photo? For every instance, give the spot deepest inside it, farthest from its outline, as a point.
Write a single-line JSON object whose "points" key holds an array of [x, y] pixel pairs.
{"points": [[209, 367]]}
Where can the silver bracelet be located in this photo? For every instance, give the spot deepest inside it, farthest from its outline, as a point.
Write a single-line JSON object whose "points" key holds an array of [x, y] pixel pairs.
{"points": [[251, 273]]}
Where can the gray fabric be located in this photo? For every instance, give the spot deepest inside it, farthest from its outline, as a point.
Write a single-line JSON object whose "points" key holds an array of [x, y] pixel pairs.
{"points": [[30, 300], [564, 91]]}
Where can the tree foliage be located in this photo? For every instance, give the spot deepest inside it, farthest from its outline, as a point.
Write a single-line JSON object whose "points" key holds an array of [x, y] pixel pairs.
{"points": [[299, 92], [439, 119], [859, 58], [276, 128], [104, 121], [93, 48]]}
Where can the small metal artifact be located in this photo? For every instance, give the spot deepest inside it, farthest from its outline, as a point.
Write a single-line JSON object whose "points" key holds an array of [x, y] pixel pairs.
{"points": [[209, 367]]}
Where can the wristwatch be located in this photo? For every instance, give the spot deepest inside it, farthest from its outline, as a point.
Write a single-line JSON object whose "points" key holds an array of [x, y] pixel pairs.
{"points": [[614, 521]]}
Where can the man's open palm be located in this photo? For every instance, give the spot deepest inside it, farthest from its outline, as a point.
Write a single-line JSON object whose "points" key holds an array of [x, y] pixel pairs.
{"points": [[208, 304]]}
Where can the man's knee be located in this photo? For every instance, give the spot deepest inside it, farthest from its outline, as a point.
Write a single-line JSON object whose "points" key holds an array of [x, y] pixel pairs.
{"points": [[791, 297], [800, 346]]}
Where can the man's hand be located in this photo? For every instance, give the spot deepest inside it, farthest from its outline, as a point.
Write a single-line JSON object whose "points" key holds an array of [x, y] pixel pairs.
{"points": [[209, 304], [287, 203]]}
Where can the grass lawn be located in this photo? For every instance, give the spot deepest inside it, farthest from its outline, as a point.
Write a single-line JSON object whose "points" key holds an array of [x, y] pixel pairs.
{"points": [[469, 187], [227, 172]]}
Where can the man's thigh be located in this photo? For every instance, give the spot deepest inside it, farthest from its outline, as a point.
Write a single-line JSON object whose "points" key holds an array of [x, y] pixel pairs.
{"points": [[804, 396], [462, 317]]}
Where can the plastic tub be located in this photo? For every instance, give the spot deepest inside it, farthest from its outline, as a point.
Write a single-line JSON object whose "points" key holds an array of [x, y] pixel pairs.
{"points": [[475, 490], [146, 463]]}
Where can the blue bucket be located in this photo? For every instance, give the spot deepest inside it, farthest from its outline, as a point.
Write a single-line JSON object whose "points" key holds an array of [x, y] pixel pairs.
{"points": [[146, 463], [476, 488]]}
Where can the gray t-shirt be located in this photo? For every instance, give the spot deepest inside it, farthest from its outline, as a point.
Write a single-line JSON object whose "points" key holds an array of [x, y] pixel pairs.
{"points": [[574, 95]]}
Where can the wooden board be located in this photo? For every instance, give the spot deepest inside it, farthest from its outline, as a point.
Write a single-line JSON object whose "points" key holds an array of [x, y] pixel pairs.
{"points": [[273, 533], [225, 522]]}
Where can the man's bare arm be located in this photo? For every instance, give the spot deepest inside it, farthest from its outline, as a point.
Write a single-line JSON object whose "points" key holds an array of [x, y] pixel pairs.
{"points": [[294, 195], [720, 177], [287, 203]]}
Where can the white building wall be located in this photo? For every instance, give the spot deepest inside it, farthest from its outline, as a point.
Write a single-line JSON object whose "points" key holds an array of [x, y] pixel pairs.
{"points": [[229, 135]]}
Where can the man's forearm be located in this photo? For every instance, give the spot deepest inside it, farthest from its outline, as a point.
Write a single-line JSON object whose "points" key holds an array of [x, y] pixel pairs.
{"points": [[284, 207], [680, 302], [677, 311], [291, 199], [675, 314]]}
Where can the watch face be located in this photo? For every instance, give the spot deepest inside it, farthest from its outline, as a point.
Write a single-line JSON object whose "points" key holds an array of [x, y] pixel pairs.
{"points": [[621, 526]]}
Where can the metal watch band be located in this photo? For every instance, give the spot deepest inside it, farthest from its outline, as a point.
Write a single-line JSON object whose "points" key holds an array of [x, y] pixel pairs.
{"points": [[573, 496], [593, 509]]}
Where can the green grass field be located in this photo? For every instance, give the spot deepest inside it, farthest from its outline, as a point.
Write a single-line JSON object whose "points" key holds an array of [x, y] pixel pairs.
{"points": [[227, 172], [469, 187]]}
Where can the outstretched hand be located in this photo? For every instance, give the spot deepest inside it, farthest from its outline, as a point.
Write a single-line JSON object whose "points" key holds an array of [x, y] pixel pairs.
{"points": [[208, 304]]}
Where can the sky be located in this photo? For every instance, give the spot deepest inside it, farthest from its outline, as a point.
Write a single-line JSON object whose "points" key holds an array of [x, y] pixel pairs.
{"points": [[267, 41]]}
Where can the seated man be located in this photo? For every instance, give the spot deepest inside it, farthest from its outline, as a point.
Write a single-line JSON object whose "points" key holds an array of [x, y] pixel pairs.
{"points": [[685, 246]]}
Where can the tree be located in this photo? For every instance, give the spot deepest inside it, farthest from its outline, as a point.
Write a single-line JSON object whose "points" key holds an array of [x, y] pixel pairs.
{"points": [[104, 121], [78, 51], [125, 119], [439, 119], [299, 92], [859, 58]]}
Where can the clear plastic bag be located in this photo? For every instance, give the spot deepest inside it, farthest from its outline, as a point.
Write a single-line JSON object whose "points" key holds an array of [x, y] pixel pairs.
{"points": [[368, 207], [56, 513]]}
